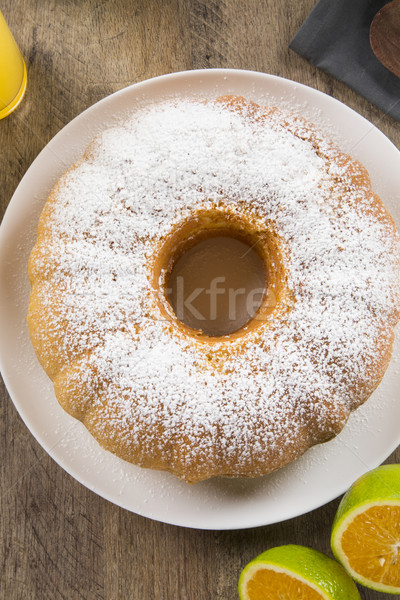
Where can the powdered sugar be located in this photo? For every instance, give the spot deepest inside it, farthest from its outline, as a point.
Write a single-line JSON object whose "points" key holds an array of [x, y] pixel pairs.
{"points": [[246, 405]]}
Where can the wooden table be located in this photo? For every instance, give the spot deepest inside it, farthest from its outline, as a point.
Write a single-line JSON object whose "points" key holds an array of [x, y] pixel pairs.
{"points": [[58, 539]]}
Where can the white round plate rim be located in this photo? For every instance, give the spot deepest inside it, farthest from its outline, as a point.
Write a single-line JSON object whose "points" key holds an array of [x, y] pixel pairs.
{"points": [[314, 479]]}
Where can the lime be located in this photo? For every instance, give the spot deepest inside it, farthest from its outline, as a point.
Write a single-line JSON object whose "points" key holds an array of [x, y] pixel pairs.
{"points": [[295, 572], [366, 530]]}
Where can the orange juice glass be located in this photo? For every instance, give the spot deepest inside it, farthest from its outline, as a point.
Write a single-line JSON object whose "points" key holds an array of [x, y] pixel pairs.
{"points": [[12, 71]]}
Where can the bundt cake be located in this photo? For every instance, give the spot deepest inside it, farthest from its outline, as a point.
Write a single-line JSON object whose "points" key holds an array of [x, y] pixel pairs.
{"points": [[160, 393]]}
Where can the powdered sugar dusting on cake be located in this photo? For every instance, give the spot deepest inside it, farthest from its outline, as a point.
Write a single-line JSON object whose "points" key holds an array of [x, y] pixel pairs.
{"points": [[244, 402]]}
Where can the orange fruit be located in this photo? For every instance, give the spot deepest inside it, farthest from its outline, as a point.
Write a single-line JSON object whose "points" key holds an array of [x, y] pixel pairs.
{"points": [[295, 573], [366, 530]]}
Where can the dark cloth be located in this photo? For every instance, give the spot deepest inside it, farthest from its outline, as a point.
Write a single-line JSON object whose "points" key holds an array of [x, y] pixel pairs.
{"points": [[335, 38]]}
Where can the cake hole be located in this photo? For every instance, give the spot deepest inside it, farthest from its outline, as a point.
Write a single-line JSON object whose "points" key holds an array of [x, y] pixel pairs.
{"points": [[217, 284]]}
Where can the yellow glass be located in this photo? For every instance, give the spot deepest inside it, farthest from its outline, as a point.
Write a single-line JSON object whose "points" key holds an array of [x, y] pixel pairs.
{"points": [[12, 71]]}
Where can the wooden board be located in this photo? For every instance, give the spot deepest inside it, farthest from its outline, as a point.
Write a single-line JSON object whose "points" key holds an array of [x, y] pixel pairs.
{"points": [[58, 539]]}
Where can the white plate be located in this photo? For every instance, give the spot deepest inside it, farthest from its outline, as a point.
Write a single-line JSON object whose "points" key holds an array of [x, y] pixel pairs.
{"points": [[323, 472]]}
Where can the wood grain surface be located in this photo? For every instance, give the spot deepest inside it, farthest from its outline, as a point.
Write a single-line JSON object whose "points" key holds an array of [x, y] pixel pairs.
{"points": [[58, 539]]}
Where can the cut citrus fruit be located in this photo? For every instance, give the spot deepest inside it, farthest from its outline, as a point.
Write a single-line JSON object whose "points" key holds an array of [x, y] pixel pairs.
{"points": [[366, 530], [295, 573]]}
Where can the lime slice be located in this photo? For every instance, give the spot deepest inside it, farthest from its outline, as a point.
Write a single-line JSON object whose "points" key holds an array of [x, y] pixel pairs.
{"points": [[295, 572], [366, 530]]}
